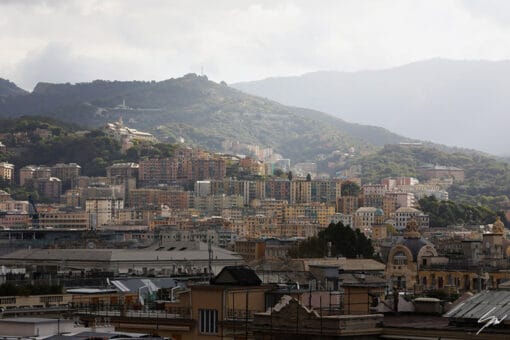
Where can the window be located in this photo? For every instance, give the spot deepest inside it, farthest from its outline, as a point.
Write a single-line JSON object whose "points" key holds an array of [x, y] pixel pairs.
{"points": [[400, 258], [208, 321]]}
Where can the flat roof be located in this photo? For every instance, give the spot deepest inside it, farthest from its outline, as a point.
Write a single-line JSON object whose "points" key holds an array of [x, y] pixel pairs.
{"points": [[31, 320]]}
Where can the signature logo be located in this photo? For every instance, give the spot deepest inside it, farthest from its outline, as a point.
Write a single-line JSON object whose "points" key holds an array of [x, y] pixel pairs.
{"points": [[490, 320]]}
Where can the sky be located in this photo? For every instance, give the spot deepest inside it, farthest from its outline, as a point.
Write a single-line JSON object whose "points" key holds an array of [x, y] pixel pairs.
{"points": [[80, 40]]}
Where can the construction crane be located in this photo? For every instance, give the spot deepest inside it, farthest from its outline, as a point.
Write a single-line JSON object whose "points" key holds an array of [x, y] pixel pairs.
{"points": [[33, 213]]}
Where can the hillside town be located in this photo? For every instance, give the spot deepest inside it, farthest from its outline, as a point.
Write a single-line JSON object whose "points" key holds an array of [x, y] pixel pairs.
{"points": [[254, 170], [206, 245]]}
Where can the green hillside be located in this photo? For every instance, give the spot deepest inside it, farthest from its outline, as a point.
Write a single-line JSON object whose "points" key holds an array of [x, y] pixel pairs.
{"points": [[204, 113], [42, 140], [487, 179]]}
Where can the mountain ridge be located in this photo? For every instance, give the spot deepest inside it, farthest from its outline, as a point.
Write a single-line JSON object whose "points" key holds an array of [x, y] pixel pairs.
{"points": [[456, 103], [8, 88], [202, 112]]}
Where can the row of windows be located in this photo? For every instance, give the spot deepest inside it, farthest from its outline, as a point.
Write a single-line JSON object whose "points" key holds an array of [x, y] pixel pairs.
{"points": [[400, 259], [7, 300], [54, 298]]}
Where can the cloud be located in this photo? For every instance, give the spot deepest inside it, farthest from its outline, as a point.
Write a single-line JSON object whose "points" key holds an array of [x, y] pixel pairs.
{"points": [[73, 40], [59, 63]]}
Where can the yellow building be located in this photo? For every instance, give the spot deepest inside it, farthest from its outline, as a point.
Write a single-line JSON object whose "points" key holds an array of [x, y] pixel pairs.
{"points": [[316, 212], [406, 256]]}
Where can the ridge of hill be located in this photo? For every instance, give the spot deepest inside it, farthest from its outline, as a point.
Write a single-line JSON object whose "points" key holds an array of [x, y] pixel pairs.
{"points": [[203, 113], [453, 102], [8, 88]]}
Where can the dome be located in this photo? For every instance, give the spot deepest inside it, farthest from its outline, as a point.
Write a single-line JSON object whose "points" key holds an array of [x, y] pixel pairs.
{"points": [[379, 212], [415, 245]]}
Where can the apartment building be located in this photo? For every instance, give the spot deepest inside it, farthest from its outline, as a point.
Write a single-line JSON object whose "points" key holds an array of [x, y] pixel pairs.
{"points": [[7, 171], [64, 220], [300, 192], [103, 211], [33, 172], [279, 189]]}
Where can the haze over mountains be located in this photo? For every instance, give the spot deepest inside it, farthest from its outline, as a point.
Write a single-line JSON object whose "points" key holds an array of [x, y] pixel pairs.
{"points": [[457, 103], [202, 112]]}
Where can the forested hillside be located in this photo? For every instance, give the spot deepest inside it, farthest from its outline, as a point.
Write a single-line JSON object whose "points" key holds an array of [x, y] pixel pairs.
{"points": [[487, 179], [201, 112]]}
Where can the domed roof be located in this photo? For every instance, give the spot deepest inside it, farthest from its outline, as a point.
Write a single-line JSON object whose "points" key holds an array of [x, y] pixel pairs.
{"points": [[415, 245], [379, 212]]}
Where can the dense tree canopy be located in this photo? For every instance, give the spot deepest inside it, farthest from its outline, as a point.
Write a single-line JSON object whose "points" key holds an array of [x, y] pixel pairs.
{"points": [[344, 242], [487, 179], [45, 141], [445, 213], [350, 188]]}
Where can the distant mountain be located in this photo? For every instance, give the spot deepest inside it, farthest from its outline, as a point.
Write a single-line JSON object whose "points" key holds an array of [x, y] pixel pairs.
{"points": [[8, 88], [202, 112], [461, 103]]}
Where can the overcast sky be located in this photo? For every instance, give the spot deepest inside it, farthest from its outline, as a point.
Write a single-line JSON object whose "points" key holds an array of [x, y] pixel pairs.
{"points": [[71, 41]]}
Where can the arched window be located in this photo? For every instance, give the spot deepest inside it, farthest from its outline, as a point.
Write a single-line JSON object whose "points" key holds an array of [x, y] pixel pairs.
{"points": [[400, 258]]}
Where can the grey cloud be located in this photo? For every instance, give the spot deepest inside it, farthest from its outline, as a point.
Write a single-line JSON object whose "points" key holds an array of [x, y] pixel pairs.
{"points": [[56, 40], [57, 63]]}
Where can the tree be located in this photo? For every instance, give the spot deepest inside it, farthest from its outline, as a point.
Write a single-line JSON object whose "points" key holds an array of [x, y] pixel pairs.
{"points": [[445, 213], [308, 178], [289, 175], [344, 242], [350, 188]]}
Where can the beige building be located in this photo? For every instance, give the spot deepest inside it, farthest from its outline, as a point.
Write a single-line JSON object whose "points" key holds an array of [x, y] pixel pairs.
{"points": [[364, 217], [403, 215], [33, 172], [103, 211], [315, 212], [7, 171], [300, 192], [407, 255], [35, 301], [66, 172], [4, 196], [64, 220], [12, 205]]}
